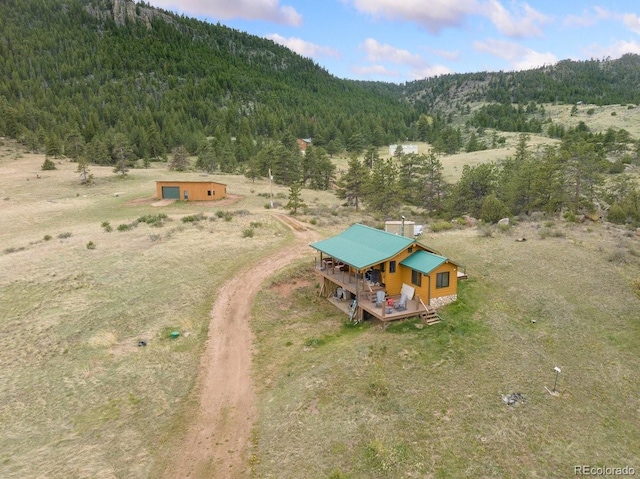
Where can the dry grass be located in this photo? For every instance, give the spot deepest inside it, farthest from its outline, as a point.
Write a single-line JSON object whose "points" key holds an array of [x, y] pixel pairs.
{"points": [[425, 402], [80, 397]]}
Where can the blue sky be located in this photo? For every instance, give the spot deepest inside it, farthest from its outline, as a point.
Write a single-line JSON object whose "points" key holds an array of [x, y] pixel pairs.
{"points": [[405, 40]]}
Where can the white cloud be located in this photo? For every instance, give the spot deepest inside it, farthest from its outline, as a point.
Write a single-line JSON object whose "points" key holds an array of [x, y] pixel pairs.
{"points": [[269, 10], [451, 55], [437, 15], [519, 57], [434, 16], [614, 50], [374, 70], [377, 52], [525, 23], [588, 17], [304, 48], [632, 22], [430, 71]]}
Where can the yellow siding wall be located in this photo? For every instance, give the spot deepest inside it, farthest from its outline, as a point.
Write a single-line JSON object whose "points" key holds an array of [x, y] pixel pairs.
{"points": [[198, 190], [393, 281], [453, 280], [427, 290]]}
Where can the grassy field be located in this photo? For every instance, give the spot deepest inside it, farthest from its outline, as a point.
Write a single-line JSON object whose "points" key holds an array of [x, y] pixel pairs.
{"points": [[413, 401], [82, 399]]}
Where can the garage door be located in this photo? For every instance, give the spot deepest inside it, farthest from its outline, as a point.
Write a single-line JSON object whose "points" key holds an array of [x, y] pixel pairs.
{"points": [[170, 192]]}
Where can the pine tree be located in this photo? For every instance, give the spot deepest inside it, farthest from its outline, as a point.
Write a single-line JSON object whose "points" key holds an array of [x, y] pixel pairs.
{"points": [[122, 154], [382, 191], [351, 185], [295, 198], [86, 177], [206, 158], [433, 187], [180, 159]]}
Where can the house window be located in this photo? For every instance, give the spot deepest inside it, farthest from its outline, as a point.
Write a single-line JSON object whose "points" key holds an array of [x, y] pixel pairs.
{"points": [[382, 267], [442, 280], [410, 250], [210, 192], [392, 266], [416, 278]]}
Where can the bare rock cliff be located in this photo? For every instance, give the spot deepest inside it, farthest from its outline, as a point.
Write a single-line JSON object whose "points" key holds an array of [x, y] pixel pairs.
{"points": [[126, 10]]}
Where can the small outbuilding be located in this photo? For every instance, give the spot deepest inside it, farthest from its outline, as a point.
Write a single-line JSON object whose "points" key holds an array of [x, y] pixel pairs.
{"points": [[191, 190]]}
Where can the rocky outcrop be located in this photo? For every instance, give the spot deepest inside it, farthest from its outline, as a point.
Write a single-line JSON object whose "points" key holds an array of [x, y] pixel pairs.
{"points": [[126, 10]]}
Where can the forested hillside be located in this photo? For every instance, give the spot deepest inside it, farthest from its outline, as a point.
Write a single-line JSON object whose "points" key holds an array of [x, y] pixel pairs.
{"points": [[596, 81], [96, 68]]}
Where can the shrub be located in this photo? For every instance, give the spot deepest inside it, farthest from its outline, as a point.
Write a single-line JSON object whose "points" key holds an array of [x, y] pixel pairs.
{"points": [[493, 209], [247, 233], [64, 235], [47, 237], [153, 220], [504, 228], [193, 218], [440, 225], [314, 342], [618, 256], [91, 245], [48, 165], [485, 231], [124, 227], [550, 232], [107, 226], [616, 214]]}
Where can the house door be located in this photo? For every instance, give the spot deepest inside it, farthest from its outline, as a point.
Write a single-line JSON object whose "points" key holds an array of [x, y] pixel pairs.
{"points": [[170, 192]]}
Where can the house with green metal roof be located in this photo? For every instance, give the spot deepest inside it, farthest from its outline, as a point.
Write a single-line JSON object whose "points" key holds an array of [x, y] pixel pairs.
{"points": [[373, 273]]}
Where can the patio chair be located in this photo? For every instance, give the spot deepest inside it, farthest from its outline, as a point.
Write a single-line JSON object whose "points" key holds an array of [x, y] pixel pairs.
{"points": [[379, 298], [402, 304]]}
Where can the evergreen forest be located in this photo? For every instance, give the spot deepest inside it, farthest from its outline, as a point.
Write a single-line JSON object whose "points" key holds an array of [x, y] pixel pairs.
{"points": [[118, 83]]}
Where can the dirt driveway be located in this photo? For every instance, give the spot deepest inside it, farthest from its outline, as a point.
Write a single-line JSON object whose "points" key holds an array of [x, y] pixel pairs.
{"points": [[217, 442]]}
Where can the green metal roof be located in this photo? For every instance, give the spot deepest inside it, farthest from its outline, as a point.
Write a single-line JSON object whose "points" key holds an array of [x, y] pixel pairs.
{"points": [[361, 246], [423, 261]]}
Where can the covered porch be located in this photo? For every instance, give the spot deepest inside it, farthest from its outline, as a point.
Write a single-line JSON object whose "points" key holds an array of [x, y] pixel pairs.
{"points": [[342, 286]]}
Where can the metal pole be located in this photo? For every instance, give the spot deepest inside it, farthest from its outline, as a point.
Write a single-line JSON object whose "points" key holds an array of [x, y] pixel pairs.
{"points": [[557, 370], [270, 189]]}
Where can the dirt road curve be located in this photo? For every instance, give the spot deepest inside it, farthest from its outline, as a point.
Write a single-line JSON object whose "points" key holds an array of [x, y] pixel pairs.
{"points": [[216, 445]]}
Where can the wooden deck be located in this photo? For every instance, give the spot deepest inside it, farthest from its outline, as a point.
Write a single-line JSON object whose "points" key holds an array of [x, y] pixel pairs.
{"points": [[356, 288]]}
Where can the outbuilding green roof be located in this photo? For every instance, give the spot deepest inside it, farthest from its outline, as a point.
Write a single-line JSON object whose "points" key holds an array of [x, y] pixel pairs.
{"points": [[423, 261], [361, 246]]}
